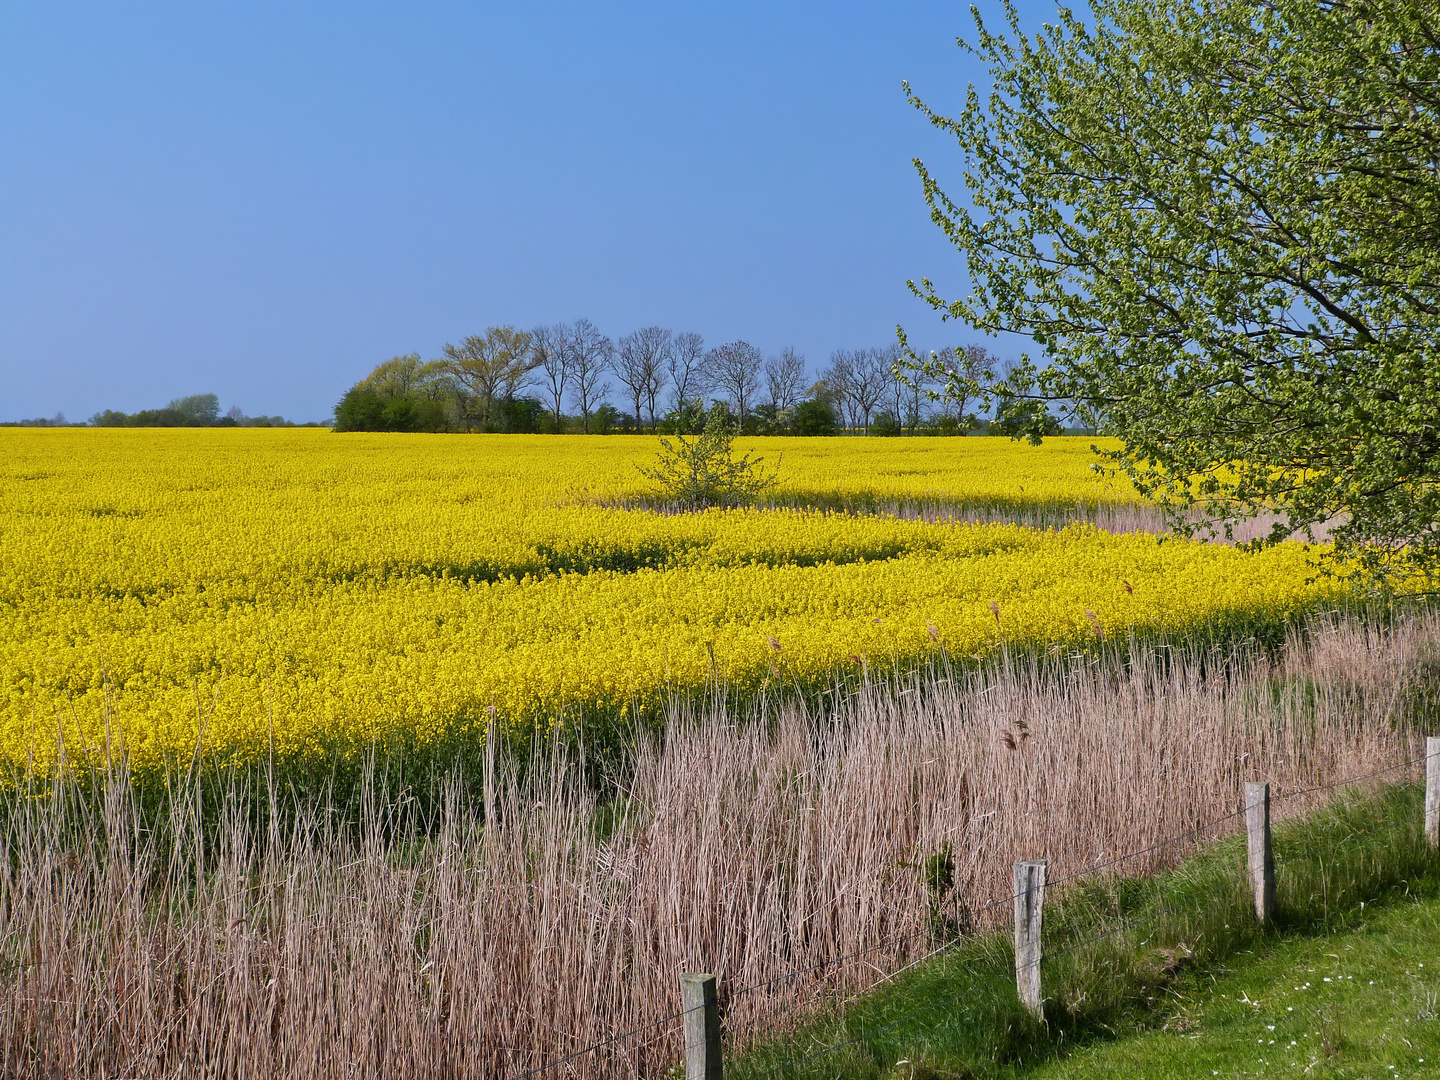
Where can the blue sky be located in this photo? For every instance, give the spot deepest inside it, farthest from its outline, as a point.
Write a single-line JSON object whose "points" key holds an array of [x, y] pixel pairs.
{"points": [[263, 201]]}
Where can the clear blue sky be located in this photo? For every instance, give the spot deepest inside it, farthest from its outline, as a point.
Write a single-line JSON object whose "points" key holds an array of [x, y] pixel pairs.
{"points": [[265, 200]]}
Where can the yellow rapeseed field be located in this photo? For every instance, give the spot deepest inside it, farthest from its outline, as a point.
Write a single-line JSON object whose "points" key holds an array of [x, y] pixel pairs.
{"points": [[320, 592]]}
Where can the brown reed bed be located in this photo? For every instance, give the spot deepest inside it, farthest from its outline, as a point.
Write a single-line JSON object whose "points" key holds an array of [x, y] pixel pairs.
{"points": [[376, 941], [1112, 517]]}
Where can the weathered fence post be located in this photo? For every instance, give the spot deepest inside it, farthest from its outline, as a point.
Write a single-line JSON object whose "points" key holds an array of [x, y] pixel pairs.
{"points": [[1432, 792], [1261, 853], [702, 1027], [1029, 903]]}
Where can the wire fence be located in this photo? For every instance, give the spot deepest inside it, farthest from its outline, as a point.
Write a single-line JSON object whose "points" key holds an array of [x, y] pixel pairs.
{"points": [[894, 942]]}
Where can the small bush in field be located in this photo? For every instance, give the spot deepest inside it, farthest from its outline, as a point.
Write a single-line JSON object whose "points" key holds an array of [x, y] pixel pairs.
{"points": [[703, 470]]}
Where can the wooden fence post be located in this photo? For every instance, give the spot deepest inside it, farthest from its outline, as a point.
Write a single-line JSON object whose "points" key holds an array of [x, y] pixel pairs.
{"points": [[1029, 904], [1432, 792], [702, 1027], [1261, 853]]}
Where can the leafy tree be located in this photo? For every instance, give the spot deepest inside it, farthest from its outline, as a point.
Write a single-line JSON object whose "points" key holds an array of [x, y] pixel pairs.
{"points": [[1218, 222], [166, 417], [885, 424], [949, 424], [403, 376], [605, 419], [523, 415], [768, 419], [365, 409], [361, 409], [1024, 418], [58, 420], [815, 416], [686, 418], [703, 471], [400, 394], [492, 367], [199, 409]]}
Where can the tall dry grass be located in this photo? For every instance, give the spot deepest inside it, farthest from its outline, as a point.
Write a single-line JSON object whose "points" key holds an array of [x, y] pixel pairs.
{"points": [[374, 943], [1109, 517]]}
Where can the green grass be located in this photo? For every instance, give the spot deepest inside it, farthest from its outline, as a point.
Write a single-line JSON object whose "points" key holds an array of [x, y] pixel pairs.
{"points": [[1153, 987], [1363, 1002]]}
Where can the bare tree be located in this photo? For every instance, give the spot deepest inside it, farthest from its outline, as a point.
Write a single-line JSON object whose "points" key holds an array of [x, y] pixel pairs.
{"points": [[552, 358], [869, 378], [963, 372], [839, 379], [686, 366], [918, 385], [735, 369], [659, 373], [589, 354], [785, 379], [492, 366], [894, 390], [859, 380], [640, 364]]}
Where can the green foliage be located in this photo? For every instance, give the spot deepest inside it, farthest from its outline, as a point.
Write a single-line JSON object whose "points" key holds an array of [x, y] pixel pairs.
{"points": [[406, 394], [522, 415], [702, 470], [768, 419], [490, 368], [363, 409], [605, 419], [200, 408], [687, 418], [403, 376], [814, 416], [949, 424], [1218, 222], [885, 424], [1023, 418], [1364, 1003]]}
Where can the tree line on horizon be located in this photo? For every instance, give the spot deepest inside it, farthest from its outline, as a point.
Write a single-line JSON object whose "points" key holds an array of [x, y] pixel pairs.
{"points": [[196, 410], [561, 378]]}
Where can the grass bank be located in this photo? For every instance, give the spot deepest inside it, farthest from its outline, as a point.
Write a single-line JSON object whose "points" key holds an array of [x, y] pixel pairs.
{"points": [[1170, 976]]}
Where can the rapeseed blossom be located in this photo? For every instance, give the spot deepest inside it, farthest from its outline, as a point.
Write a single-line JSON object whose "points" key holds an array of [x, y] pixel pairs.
{"points": [[297, 589]]}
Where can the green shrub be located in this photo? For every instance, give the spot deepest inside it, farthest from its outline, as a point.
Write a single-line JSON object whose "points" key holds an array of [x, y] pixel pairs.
{"points": [[703, 470], [815, 417]]}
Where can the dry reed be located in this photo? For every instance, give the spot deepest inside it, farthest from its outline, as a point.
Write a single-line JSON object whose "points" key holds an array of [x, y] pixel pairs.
{"points": [[457, 947]]}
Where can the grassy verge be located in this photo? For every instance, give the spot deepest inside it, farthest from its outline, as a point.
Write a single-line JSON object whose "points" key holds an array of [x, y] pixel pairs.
{"points": [[1361, 1002], [1132, 968]]}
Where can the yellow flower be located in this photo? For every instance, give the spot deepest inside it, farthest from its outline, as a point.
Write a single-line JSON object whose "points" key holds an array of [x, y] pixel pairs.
{"points": [[295, 588]]}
